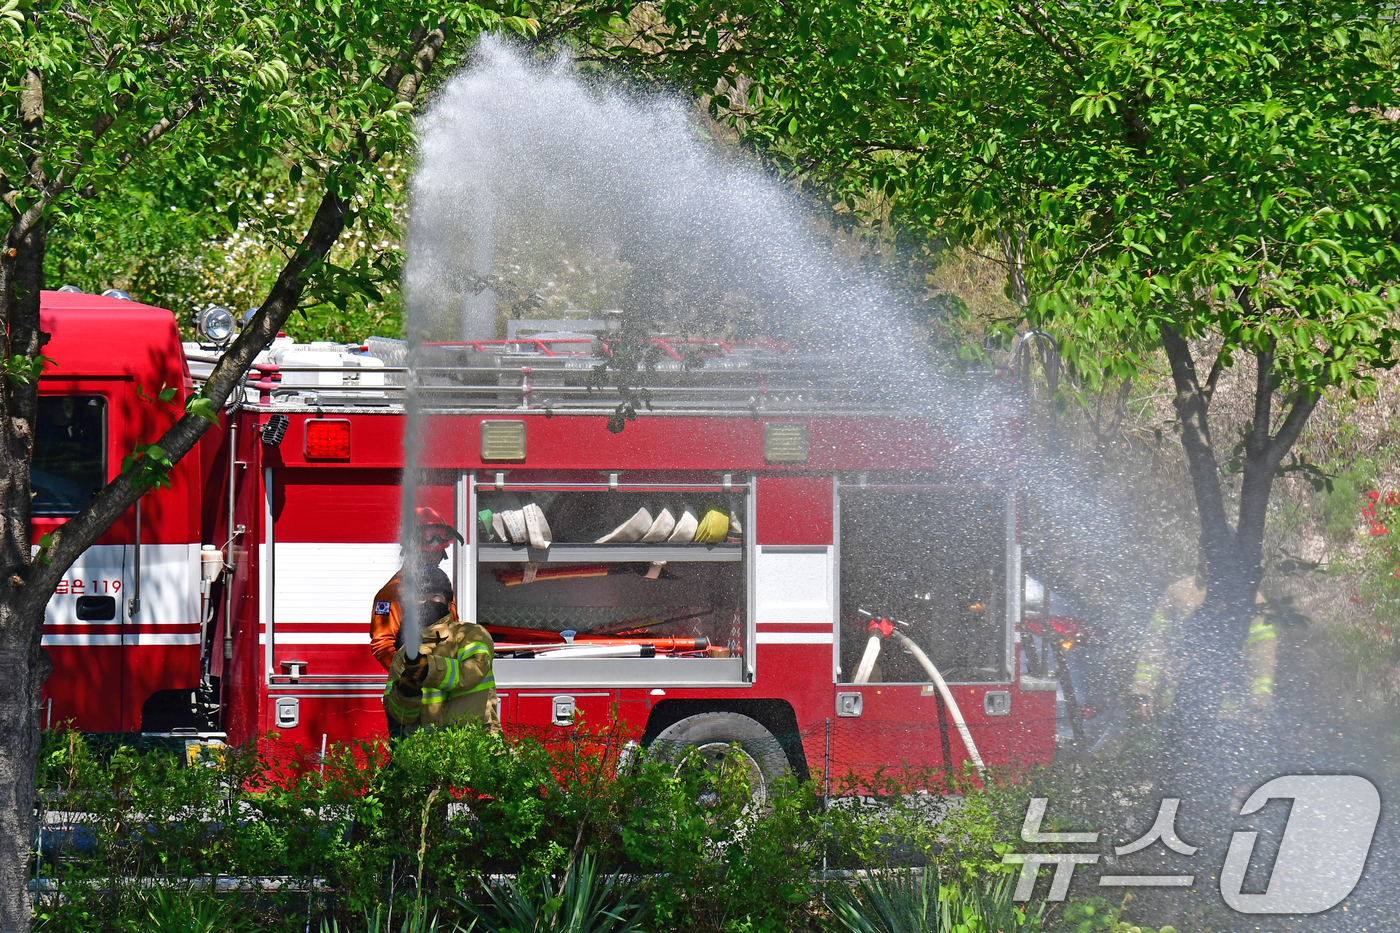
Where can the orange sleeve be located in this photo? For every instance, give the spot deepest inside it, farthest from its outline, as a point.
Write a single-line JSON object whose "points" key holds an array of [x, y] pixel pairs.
{"points": [[384, 627]]}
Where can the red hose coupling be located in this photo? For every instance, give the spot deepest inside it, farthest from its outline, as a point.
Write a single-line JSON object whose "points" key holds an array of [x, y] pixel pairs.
{"points": [[884, 626]]}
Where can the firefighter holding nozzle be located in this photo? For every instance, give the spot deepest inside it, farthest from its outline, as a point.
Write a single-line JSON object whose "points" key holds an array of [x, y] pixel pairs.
{"points": [[450, 680], [434, 536]]}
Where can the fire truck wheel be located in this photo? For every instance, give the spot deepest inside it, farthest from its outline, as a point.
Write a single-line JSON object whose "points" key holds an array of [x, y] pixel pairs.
{"points": [[713, 735]]}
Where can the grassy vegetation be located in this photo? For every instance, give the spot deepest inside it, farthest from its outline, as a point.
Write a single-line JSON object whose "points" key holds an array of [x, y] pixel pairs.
{"points": [[460, 829]]}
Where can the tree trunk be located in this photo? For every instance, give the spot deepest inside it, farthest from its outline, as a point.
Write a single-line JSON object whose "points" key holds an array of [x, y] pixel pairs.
{"points": [[24, 665], [1207, 753], [1232, 555], [1192, 403], [25, 585]]}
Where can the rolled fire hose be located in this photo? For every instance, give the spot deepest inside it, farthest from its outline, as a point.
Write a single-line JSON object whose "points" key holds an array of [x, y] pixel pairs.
{"points": [[947, 695]]}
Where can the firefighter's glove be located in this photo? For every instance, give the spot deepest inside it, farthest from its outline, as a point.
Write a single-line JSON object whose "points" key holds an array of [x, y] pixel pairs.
{"points": [[409, 672], [415, 671]]}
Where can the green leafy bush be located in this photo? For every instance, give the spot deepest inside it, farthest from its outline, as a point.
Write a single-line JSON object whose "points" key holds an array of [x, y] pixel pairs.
{"points": [[416, 919], [1096, 915], [374, 827], [380, 837], [1341, 507], [1370, 643]]}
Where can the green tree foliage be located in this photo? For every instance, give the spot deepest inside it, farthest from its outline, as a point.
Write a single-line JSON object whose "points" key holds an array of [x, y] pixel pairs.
{"points": [[214, 225], [1208, 177], [179, 129], [162, 242]]}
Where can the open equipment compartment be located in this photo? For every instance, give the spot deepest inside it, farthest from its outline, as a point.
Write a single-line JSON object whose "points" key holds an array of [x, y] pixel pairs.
{"points": [[934, 557], [630, 612]]}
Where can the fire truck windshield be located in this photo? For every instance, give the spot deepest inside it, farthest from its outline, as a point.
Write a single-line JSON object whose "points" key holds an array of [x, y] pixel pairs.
{"points": [[70, 453]]}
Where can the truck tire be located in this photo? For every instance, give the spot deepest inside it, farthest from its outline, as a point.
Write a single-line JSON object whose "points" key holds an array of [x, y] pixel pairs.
{"points": [[713, 734]]}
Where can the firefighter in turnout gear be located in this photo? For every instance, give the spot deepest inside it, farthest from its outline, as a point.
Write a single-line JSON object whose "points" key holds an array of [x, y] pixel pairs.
{"points": [[450, 682], [434, 535], [1156, 676]]}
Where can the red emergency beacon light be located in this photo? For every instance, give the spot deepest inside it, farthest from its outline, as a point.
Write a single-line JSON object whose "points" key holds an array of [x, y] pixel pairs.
{"points": [[699, 576]]}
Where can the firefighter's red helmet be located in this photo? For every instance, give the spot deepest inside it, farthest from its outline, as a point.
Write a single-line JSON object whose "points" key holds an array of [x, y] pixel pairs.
{"points": [[434, 531]]}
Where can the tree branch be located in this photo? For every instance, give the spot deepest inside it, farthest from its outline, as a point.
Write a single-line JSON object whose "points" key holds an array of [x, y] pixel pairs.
{"points": [[78, 533], [394, 75], [1071, 60], [162, 126], [1259, 441], [103, 121], [1216, 369], [422, 63], [1179, 358], [1196, 441], [31, 118], [101, 124], [176, 28], [1301, 406], [1120, 407]]}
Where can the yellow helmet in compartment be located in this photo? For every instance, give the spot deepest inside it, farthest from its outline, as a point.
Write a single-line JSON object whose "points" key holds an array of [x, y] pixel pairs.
{"points": [[714, 527]]}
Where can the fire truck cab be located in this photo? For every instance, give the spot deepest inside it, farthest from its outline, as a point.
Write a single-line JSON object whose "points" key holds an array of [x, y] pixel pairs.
{"points": [[123, 628], [821, 504]]}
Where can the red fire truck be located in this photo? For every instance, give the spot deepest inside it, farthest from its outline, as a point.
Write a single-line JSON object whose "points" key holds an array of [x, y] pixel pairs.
{"points": [[237, 602]]}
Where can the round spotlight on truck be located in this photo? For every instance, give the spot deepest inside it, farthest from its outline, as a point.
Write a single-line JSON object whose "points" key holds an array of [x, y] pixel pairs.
{"points": [[70, 288], [215, 324], [116, 293]]}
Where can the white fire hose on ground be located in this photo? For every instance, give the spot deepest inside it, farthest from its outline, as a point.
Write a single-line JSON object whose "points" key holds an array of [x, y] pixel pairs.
{"points": [[880, 629]]}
